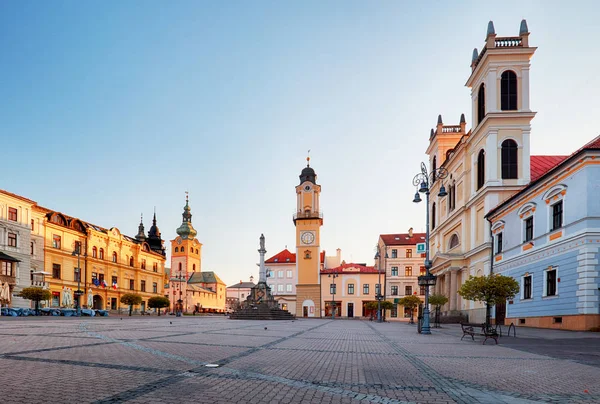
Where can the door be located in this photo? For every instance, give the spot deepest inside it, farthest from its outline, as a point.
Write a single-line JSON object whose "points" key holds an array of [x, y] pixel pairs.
{"points": [[304, 311], [350, 310], [113, 303], [500, 313], [143, 306]]}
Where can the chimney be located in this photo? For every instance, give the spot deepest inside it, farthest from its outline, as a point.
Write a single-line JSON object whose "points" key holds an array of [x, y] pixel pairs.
{"points": [[410, 232]]}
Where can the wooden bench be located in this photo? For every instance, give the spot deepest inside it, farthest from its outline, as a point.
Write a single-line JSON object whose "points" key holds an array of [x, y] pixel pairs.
{"points": [[487, 332]]}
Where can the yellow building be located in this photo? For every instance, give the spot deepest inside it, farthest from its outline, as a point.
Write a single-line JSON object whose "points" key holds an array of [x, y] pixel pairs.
{"points": [[111, 263], [479, 164], [190, 289], [308, 220], [347, 289]]}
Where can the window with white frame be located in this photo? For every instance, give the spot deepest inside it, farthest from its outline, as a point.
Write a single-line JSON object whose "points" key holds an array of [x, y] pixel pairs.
{"points": [[394, 291], [529, 228], [499, 243], [557, 215], [288, 287], [280, 274], [332, 288], [526, 286], [394, 271], [350, 288], [554, 199], [280, 288], [366, 289], [290, 274], [551, 282]]}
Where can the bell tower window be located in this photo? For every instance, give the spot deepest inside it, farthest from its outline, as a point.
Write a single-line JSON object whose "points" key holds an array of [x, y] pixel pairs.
{"points": [[480, 103], [433, 168], [480, 169], [509, 160], [508, 91]]}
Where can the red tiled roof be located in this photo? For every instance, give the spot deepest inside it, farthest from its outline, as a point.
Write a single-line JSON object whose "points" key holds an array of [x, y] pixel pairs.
{"points": [[540, 165], [283, 256], [342, 269], [403, 238]]}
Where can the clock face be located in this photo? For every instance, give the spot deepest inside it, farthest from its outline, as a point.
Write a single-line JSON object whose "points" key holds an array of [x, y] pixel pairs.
{"points": [[307, 188], [307, 237], [178, 241]]}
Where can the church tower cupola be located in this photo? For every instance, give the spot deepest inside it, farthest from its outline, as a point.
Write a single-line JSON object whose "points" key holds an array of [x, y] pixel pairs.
{"points": [[186, 230], [154, 240], [141, 235], [308, 174]]}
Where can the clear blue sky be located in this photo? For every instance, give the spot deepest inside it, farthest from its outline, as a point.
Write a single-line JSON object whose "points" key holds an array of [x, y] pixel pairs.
{"points": [[108, 109]]}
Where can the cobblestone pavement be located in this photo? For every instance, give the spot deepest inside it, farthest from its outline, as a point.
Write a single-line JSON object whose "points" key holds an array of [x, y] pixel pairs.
{"points": [[164, 360]]}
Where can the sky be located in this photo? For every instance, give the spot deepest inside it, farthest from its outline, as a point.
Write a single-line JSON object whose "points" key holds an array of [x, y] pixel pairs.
{"points": [[109, 110]]}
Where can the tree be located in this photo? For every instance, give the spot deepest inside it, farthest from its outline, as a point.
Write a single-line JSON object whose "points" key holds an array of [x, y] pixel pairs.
{"points": [[437, 301], [131, 299], [35, 294], [386, 305], [158, 302], [491, 289], [410, 301]]}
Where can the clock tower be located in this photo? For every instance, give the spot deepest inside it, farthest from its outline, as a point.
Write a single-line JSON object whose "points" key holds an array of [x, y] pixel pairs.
{"points": [[308, 220]]}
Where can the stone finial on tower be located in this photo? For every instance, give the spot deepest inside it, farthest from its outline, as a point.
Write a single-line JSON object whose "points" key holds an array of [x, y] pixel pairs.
{"points": [[440, 122], [474, 57], [491, 30], [524, 34], [523, 29], [463, 123], [490, 38], [462, 118], [431, 134]]}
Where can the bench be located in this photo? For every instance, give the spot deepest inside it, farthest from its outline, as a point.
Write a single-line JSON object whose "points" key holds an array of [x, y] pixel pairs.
{"points": [[487, 332]]}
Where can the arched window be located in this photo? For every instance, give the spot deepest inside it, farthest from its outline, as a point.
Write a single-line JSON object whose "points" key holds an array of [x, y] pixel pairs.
{"points": [[453, 242], [196, 251], [180, 266], [508, 91], [433, 216], [176, 249], [194, 267], [480, 169], [510, 166], [130, 261], [102, 253], [434, 167], [480, 103], [181, 249], [94, 252], [114, 257]]}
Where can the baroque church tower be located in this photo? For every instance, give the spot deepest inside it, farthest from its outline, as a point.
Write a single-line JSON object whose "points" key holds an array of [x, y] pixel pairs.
{"points": [[186, 250], [308, 220]]}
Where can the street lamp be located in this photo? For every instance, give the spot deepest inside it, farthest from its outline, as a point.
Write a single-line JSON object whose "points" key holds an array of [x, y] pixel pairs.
{"points": [[333, 306], [179, 301], [424, 180], [379, 294], [78, 292]]}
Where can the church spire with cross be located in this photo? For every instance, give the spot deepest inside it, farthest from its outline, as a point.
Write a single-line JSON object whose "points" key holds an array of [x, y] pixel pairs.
{"points": [[186, 230]]}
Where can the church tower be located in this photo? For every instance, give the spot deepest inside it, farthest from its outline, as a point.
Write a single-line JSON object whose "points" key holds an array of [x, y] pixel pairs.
{"points": [[186, 250], [308, 220]]}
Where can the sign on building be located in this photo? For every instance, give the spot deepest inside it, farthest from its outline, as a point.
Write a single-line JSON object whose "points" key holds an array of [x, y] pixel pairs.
{"points": [[420, 248]]}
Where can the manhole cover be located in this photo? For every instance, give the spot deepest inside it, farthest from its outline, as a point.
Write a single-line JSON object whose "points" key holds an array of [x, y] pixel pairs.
{"points": [[212, 365]]}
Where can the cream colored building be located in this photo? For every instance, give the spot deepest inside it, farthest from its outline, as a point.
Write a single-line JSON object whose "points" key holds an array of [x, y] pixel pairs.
{"points": [[479, 164], [347, 289]]}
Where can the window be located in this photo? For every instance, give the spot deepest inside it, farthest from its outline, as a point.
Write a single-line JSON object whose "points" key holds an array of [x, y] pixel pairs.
{"points": [[557, 213], [290, 273], [56, 271], [55, 241], [433, 216], [498, 243], [377, 289], [280, 274], [143, 264], [94, 252], [422, 290], [394, 253], [527, 287], [350, 288], [94, 277], [7, 268], [332, 289], [451, 196], [408, 290], [453, 242], [114, 259], [407, 271], [176, 249], [78, 247], [32, 223], [481, 103], [433, 168], [394, 311], [394, 291], [550, 276], [12, 214], [280, 288], [422, 271], [143, 286], [288, 288], [182, 249], [101, 279], [76, 275], [131, 284], [102, 253], [115, 281], [529, 228], [508, 91], [480, 169], [394, 271], [154, 287], [31, 248], [155, 267], [409, 253], [366, 289], [509, 160], [12, 240]]}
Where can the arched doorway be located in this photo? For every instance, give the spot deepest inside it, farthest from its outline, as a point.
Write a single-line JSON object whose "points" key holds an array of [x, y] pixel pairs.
{"points": [[308, 308], [98, 303]]}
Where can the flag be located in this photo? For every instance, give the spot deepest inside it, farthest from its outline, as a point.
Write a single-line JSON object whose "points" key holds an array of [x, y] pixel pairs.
{"points": [[96, 282], [115, 285], [104, 284]]}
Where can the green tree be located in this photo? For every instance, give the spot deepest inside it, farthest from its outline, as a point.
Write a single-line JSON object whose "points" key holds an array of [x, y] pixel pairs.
{"points": [[385, 306], [438, 300], [131, 299], [158, 302], [491, 289], [35, 294], [410, 301]]}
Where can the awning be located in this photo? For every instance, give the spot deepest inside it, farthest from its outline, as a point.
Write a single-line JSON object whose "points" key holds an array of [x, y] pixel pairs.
{"points": [[6, 257]]}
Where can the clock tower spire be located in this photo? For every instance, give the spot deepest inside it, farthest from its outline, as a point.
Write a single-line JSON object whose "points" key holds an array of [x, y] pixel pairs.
{"points": [[308, 220]]}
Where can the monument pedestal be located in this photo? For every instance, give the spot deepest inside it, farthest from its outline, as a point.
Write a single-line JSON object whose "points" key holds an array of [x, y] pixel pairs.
{"points": [[260, 305]]}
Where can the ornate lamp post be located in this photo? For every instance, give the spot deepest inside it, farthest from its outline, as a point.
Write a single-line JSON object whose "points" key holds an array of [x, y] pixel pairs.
{"points": [[379, 294], [423, 181], [332, 287]]}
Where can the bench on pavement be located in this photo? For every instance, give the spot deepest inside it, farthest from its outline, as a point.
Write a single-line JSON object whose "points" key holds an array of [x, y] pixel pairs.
{"points": [[471, 329]]}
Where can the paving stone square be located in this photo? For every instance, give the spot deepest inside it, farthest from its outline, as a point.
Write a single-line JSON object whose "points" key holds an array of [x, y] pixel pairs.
{"points": [[164, 360]]}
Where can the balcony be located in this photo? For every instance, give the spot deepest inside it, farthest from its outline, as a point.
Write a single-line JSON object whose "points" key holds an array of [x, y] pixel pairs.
{"points": [[308, 215]]}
